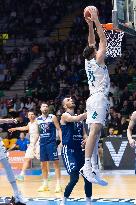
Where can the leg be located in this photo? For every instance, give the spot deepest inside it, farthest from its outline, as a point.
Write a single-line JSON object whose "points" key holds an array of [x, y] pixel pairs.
{"points": [[74, 177], [86, 170], [11, 178], [94, 158], [88, 191], [44, 169], [58, 175], [25, 166], [92, 139]]}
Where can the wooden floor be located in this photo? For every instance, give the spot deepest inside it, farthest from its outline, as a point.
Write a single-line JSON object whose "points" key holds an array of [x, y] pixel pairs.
{"points": [[119, 187]]}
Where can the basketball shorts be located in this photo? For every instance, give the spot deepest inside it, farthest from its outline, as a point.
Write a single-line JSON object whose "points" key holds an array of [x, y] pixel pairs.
{"points": [[3, 152], [33, 151], [97, 106], [73, 160], [48, 152]]}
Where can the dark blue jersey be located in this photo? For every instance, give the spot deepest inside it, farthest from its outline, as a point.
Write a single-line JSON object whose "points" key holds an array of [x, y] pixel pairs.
{"points": [[72, 134], [47, 129]]}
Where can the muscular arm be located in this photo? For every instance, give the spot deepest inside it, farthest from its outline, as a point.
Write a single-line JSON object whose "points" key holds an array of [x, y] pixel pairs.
{"points": [[56, 123], [2, 121], [24, 128], [100, 56], [66, 117], [91, 36]]}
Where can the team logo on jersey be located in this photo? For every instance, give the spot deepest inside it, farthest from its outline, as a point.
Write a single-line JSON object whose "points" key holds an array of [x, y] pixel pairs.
{"points": [[91, 77], [94, 115]]}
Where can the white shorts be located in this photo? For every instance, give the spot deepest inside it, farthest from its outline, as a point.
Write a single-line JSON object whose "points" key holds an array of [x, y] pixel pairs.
{"points": [[3, 152], [97, 107], [33, 152]]}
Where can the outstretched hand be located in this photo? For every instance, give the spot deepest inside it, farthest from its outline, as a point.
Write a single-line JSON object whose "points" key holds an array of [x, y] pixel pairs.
{"points": [[12, 130]]}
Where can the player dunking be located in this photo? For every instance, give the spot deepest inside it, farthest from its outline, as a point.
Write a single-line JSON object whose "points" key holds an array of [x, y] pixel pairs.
{"points": [[18, 198], [99, 84], [73, 133], [33, 149]]}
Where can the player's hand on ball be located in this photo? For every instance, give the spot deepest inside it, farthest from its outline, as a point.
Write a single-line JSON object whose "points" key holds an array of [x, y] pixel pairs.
{"points": [[132, 143], [88, 20]]}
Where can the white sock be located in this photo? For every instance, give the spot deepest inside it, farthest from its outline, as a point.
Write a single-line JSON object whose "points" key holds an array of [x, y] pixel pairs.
{"points": [[94, 158], [22, 173], [87, 162], [58, 182], [45, 182]]}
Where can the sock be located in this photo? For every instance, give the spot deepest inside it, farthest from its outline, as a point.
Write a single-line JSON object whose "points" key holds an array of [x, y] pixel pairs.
{"points": [[45, 182], [58, 182], [10, 175], [22, 173], [94, 158], [87, 162]]}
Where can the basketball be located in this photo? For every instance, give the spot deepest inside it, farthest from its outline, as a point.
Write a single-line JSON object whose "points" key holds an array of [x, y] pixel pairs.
{"points": [[87, 11]]}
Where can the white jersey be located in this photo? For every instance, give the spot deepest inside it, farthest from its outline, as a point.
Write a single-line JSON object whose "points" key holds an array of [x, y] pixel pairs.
{"points": [[98, 77], [33, 131]]}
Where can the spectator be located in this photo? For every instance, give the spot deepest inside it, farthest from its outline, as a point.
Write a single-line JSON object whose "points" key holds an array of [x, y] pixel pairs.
{"points": [[21, 144]]}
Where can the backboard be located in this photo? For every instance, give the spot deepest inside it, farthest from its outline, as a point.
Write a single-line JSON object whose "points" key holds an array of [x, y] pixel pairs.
{"points": [[124, 15]]}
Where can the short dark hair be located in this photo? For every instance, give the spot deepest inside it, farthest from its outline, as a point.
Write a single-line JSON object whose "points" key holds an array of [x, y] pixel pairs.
{"points": [[88, 51], [32, 110]]}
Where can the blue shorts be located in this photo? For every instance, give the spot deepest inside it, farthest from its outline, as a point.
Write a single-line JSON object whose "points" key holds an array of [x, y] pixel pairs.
{"points": [[48, 152], [73, 159]]}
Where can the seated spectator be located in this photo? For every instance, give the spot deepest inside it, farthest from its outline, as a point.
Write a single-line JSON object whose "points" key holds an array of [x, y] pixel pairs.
{"points": [[124, 126], [21, 144], [111, 132]]}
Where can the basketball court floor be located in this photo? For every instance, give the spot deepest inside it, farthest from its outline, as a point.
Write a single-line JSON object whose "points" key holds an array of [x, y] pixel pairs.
{"points": [[120, 191]]}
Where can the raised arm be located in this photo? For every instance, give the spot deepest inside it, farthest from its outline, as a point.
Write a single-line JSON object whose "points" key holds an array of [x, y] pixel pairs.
{"points": [[132, 142], [100, 56], [91, 36]]}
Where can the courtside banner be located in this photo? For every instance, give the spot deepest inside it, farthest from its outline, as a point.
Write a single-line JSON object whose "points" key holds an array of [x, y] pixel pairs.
{"points": [[117, 154], [16, 159]]}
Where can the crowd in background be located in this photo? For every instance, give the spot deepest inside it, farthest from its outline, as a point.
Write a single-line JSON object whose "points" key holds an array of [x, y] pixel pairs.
{"points": [[62, 72]]}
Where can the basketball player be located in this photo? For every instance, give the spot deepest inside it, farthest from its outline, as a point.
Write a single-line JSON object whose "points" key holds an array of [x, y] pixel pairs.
{"points": [[73, 133], [131, 125], [48, 124], [97, 103], [18, 198], [33, 150]]}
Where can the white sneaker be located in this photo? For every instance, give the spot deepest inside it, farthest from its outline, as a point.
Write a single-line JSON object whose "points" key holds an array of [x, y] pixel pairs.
{"points": [[63, 202], [92, 177], [88, 201], [20, 198], [97, 176]]}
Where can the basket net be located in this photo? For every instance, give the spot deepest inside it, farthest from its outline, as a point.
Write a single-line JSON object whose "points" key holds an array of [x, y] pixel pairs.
{"points": [[114, 40]]}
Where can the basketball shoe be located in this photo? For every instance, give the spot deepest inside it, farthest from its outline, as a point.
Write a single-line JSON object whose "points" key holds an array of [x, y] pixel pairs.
{"points": [[43, 188], [18, 200]]}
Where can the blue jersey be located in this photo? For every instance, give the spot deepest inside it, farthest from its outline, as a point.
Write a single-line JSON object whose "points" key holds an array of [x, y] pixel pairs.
{"points": [[47, 129], [78, 134], [22, 144], [72, 134]]}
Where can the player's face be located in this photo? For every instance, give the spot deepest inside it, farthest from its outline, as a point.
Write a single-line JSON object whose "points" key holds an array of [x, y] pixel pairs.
{"points": [[31, 116], [44, 108], [69, 103]]}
